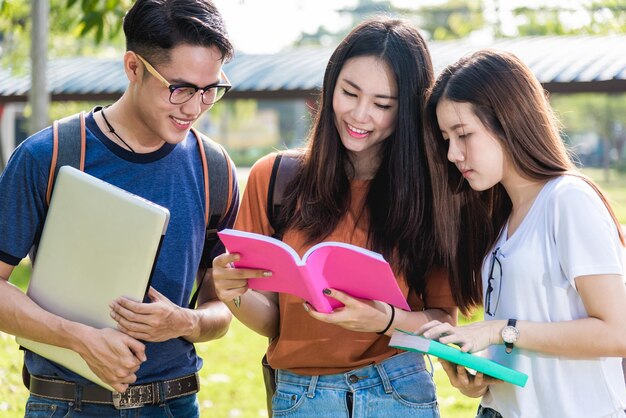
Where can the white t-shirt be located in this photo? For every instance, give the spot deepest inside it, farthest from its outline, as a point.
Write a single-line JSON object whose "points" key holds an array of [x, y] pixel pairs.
{"points": [[567, 233]]}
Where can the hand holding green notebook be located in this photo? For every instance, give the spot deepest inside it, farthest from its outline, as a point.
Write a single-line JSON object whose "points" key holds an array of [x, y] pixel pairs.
{"points": [[408, 341]]}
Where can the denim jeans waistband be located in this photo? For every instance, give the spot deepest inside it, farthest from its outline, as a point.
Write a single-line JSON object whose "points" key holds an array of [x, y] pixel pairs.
{"points": [[364, 377]]}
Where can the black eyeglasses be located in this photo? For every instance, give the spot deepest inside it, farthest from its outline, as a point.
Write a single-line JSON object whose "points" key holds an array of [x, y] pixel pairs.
{"points": [[494, 284], [182, 93]]}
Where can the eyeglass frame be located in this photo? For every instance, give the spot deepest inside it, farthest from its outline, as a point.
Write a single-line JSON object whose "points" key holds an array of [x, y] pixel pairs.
{"points": [[173, 87], [490, 279]]}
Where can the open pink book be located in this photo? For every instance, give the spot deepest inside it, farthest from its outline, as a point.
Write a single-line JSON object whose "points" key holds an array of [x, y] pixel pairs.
{"points": [[354, 270]]}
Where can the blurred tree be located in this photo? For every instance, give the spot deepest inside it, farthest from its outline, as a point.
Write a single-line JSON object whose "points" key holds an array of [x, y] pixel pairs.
{"points": [[582, 17], [542, 21], [363, 10], [322, 37], [367, 8], [450, 20], [76, 27], [453, 19], [68, 27], [594, 114], [103, 18], [595, 125], [608, 16]]}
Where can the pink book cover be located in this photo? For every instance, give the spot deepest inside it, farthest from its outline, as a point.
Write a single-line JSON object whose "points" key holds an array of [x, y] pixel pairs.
{"points": [[354, 270]]}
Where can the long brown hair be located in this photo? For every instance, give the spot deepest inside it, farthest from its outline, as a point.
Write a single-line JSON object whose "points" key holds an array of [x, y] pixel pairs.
{"points": [[510, 102], [399, 196]]}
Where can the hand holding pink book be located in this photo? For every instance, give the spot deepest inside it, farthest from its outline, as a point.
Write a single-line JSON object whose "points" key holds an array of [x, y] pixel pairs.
{"points": [[354, 270]]}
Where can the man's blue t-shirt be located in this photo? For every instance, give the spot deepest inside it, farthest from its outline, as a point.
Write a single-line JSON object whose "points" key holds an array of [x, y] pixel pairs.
{"points": [[171, 177]]}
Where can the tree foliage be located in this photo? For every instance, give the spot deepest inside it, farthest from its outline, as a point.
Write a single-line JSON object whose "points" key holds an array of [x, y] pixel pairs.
{"points": [[101, 18], [76, 27], [362, 10], [452, 20], [607, 16], [595, 125], [541, 21], [591, 18]]}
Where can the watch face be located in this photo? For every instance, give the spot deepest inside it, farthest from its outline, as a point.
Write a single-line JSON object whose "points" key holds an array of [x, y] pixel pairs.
{"points": [[510, 334]]}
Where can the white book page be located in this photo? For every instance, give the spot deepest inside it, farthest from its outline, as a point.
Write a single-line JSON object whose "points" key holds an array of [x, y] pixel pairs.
{"points": [[355, 248], [269, 240], [402, 339]]}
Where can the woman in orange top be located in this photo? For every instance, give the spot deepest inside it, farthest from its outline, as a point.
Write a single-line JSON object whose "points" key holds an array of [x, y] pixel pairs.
{"points": [[362, 180]]}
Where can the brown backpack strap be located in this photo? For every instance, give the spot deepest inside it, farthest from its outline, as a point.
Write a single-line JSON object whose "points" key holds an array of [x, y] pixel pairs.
{"points": [[218, 186], [68, 147], [205, 176], [204, 146]]}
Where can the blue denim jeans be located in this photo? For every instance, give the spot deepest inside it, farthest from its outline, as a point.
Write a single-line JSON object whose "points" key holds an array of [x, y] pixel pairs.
{"points": [[183, 407], [487, 413], [400, 386]]}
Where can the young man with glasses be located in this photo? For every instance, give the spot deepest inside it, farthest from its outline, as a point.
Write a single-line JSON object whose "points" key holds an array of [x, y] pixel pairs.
{"points": [[143, 144]]}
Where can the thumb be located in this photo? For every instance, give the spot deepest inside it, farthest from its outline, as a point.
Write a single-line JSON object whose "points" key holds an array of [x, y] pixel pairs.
{"points": [[137, 348], [155, 295]]}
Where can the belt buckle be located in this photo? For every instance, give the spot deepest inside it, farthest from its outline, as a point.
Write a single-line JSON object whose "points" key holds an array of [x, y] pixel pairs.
{"points": [[133, 397]]}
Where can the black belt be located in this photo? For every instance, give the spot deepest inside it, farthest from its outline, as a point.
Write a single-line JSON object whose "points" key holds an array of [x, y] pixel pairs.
{"points": [[134, 397]]}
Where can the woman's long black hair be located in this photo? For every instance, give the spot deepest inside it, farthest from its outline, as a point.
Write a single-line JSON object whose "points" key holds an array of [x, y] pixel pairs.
{"points": [[399, 197]]}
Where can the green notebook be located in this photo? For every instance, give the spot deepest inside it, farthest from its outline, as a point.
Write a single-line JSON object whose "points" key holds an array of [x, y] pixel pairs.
{"points": [[408, 341]]}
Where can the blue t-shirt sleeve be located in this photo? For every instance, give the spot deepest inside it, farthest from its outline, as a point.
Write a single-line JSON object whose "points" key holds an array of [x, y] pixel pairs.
{"points": [[23, 206], [585, 234]]}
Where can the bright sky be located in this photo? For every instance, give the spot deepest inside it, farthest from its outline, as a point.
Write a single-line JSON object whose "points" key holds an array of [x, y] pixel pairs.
{"points": [[267, 26]]}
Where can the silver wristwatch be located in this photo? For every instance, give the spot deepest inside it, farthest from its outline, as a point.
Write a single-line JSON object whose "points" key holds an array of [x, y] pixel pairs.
{"points": [[510, 334]]}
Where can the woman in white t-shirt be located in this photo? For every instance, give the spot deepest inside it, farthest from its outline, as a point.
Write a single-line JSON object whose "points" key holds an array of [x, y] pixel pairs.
{"points": [[540, 239]]}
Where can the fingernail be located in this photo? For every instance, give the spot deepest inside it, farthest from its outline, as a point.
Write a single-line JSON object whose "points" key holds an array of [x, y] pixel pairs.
{"points": [[327, 291], [267, 274], [306, 307], [236, 257]]}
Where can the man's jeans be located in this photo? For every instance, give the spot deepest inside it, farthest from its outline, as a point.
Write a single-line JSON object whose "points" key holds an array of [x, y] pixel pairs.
{"points": [[183, 407]]}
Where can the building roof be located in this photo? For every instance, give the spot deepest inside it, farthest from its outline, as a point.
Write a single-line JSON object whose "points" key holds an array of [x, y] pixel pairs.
{"points": [[564, 64]]}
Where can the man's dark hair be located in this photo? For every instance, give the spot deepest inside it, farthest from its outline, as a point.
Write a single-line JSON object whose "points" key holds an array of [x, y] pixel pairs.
{"points": [[153, 27]]}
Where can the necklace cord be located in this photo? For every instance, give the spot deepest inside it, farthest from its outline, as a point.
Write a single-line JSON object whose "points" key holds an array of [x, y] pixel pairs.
{"points": [[111, 130]]}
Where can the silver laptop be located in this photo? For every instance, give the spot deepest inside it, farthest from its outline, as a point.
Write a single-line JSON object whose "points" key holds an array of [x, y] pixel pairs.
{"points": [[99, 242]]}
